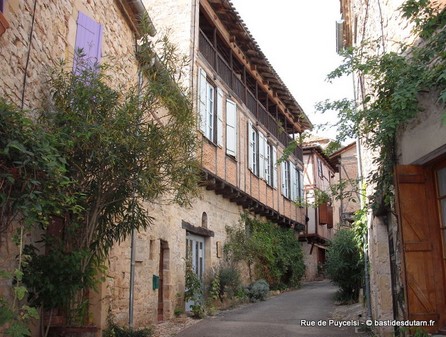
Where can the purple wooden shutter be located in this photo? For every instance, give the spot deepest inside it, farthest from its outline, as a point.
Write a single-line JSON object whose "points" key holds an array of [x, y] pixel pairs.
{"points": [[88, 42], [1, 5]]}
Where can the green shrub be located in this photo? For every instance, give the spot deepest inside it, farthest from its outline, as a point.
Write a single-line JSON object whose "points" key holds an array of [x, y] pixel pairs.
{"points": [[114, 330], [230, 282], [258, 291], [269, 251], [344, 265]]}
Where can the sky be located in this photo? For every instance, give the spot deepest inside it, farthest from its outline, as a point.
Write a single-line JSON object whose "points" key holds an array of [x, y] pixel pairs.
{"points": [[298, 37]]}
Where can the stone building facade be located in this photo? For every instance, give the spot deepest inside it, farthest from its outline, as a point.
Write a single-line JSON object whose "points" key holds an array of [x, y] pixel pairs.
{"points": [[319, 174], [246, 117], [406, 246], [35, 37], [348, 173]]}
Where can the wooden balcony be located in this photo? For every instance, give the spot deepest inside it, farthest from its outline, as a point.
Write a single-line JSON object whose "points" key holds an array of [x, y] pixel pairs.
{"points": [[236, 80]]}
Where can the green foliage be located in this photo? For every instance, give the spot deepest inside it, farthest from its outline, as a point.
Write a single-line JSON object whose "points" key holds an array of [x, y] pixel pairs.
{"points": [[344, 265], [121, 151], [194, 291], [32, 172], [55, 279], [214, 288], [415, 332], [88, 161], [114, 330], [17, 315], [332, 147], [359, 229], [230, 282], [395, 82], [258, 291], [274, 252]]}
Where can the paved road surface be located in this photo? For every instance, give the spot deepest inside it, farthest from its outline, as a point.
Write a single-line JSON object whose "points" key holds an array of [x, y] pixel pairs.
{"points": [[279, 316]]}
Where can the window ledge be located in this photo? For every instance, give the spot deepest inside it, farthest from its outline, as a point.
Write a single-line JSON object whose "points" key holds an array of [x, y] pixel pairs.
{"points": [[3, 24]]}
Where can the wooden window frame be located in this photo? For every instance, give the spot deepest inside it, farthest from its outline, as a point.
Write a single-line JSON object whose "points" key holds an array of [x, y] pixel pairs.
{"points": [[4, 24]]}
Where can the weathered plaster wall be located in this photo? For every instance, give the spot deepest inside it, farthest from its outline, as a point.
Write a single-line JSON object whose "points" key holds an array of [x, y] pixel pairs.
{"points": [[424, 137]]}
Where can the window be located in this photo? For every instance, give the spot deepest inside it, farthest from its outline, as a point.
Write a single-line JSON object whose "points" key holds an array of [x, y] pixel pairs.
{"points": [[1, 5], [210, 105], [253, 149], [88, 45], [320, 170], [262, 156], [292, 182], [270, 165], [231, 128]]}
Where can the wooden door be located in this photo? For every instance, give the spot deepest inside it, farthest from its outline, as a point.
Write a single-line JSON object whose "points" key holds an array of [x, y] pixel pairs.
{"points": [[195, 252], [423, 265]]}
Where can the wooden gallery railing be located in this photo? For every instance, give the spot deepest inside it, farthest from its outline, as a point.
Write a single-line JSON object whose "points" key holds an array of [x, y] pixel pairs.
{"points": [[236, 83]]}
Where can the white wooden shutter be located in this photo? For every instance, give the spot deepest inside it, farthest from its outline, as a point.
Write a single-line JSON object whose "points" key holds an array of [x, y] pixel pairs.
{"points": [[250, 147], [231, 128], [294, 183], [262, 150], [210, 111], [284, 178], [268, 162], [274, 167], [202, 101], [219, 117], [301, 186]]}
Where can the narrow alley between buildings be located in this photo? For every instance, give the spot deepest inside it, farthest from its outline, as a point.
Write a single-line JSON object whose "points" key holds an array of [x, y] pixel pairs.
{"points": [[302, 312]]}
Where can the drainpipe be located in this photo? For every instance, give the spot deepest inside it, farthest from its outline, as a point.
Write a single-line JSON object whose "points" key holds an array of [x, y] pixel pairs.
{"points": [[362, 204], [132, 238], [132, 279]]}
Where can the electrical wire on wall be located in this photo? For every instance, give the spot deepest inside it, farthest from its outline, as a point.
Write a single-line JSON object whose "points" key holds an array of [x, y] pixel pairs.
{"points": [[25, 76]]}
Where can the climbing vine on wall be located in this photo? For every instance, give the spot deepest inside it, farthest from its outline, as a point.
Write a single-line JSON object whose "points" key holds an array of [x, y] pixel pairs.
{"points": [[395, 81], [270, 252]]}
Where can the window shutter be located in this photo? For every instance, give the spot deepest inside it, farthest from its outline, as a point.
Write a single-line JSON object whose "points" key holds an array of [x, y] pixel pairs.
{"points": [[210, 111], [422, 254], [88, 41], [262, 150], [268, 161], [219, 117], [231, 128], [274, 167], [320, 171], [202, 99], [301, 186], [250, 147], [293, 183], [284, 179]]}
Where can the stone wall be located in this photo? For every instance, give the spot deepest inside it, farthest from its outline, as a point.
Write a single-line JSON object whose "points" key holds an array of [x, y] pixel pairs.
{"points": [[167, 227], [313, 259], [383, 23], [53, 39], [29, 52]]}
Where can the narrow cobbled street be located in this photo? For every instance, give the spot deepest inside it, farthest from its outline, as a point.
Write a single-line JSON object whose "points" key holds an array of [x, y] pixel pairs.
{"points": [[301, 312]]}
